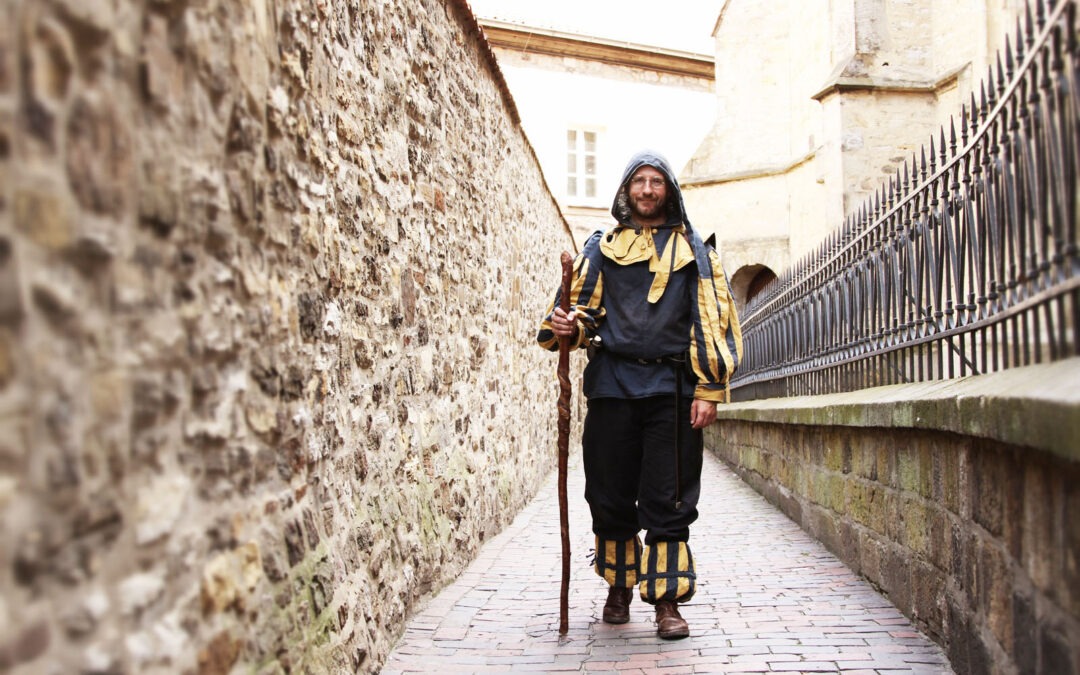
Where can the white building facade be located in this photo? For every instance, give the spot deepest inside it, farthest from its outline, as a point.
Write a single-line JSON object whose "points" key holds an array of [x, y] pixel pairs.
{"points": [[587, 104], [806, 108]]}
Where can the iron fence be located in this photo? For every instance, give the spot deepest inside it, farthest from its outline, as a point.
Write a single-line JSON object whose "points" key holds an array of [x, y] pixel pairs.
{"points": [[964, 263]]}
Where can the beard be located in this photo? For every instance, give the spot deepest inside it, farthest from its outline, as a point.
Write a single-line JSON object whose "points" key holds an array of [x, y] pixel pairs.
{"points": [[647, 208]]}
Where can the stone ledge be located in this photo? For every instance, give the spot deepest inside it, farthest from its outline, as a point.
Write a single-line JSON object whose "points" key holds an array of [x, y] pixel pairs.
{"points": [[1034, 406], [852, 75]]}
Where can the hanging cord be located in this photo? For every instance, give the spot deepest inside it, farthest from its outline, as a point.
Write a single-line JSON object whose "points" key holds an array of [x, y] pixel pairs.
{"points": [[677, 369]]}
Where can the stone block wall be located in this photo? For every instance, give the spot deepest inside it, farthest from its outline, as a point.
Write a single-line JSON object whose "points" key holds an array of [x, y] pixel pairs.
{"points": [[792, 153], [973, 538], [270, 274]]}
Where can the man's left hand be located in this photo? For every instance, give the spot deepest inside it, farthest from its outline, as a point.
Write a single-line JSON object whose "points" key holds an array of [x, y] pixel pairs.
{"points": [[702, 413]]}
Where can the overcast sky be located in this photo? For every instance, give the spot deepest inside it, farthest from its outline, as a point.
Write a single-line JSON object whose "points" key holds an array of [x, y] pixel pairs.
{"points": [[685, 25]]}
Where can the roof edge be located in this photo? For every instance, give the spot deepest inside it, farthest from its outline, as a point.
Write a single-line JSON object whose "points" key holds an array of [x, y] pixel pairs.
{"points": [[529, 39]]}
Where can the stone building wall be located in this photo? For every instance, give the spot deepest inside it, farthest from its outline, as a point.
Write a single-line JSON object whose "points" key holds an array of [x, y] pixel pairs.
{"points": [[269, 281], [820, 103]]}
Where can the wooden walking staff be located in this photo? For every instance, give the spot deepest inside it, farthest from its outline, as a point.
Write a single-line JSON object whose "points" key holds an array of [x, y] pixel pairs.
{"points": [[564, 442]]}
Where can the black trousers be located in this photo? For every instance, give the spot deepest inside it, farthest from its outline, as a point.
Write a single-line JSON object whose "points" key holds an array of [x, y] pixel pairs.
{"points": [[629, 454]]}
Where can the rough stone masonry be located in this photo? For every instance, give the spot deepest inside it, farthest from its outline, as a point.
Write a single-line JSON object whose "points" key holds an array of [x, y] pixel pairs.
{"points": [[269, 278]]}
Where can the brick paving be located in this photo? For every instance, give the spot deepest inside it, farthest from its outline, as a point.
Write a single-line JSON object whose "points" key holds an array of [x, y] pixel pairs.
{"points": [[770, 599]]}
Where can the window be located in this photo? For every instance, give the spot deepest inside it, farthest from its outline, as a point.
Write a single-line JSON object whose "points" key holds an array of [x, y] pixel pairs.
{"points": [[581, 164]]}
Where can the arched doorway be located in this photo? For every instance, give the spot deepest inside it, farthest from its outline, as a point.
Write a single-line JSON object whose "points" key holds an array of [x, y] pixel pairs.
{"points": [[748, 281]]}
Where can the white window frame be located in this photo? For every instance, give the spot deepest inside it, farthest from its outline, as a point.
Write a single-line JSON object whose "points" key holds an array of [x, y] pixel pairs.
{"points": [[579, 180]]}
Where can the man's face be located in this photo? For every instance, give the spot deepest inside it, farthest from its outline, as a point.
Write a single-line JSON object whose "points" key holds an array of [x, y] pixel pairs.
{"points": [[648, 194]]}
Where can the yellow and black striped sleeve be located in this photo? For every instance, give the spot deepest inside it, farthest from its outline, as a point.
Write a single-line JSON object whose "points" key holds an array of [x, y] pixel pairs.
{"points": [[715, 334], [586, 290]]}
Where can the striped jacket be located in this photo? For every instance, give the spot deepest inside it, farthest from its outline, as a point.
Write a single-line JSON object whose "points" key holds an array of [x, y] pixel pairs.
{"points": [[714, 339], [646, 321]]}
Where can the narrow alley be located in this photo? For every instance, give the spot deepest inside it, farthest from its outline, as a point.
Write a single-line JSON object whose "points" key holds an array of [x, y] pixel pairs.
{"points": [[770, 599]]}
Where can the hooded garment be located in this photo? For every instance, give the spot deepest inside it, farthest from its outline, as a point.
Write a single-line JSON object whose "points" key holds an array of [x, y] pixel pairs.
{"points": [[651, 293], [676, 208]]}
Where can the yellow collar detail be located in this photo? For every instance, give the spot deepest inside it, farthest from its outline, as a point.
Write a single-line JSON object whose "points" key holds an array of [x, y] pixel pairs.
{"points": [[626, 246]]}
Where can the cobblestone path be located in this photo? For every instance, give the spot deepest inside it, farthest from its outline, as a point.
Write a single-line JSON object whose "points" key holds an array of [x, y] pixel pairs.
{"points": [[770, 599]]}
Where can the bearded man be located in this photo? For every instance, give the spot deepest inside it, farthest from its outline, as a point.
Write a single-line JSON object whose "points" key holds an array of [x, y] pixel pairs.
{"points": [[650, 303]]}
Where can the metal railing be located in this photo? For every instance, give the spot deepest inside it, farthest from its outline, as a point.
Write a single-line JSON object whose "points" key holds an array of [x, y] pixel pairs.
{"points": [[964, 263]]}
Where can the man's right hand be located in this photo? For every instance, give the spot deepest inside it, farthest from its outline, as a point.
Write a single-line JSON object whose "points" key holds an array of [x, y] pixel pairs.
{"points": [[564, 324]]}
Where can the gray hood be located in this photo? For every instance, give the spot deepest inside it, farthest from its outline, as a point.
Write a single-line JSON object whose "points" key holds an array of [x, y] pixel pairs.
{"points": [[676, 209]]}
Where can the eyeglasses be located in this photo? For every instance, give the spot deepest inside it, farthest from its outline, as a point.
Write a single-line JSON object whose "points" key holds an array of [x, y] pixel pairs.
{"points": [[655, 182]]}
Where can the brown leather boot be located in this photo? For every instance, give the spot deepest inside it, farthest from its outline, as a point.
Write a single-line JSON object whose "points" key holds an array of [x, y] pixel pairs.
{"points": [[669, 623], [617, 607]]}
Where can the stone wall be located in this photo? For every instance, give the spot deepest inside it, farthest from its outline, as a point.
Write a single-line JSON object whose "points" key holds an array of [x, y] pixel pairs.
{"points": [[956, 500], [820, 103], [270, 274]]}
